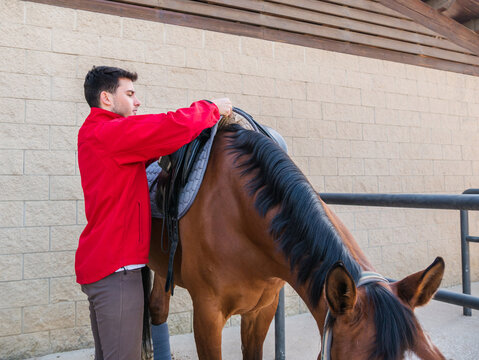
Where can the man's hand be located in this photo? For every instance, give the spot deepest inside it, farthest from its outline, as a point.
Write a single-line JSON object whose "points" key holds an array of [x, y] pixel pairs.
{"points": [[224, 106]]}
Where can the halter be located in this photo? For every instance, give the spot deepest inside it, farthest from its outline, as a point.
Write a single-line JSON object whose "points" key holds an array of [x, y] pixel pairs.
{"points": [[367, 277]]}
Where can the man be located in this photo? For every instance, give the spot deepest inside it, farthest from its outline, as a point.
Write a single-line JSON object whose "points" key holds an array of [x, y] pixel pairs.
{"points": [[114, 145]]}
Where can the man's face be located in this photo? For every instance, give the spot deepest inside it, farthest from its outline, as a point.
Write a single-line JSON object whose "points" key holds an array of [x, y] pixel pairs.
{"points": [[124, 101]]}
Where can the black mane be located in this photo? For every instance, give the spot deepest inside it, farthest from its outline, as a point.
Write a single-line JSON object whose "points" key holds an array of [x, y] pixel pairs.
{"points": [[307, 237], [302, 229], [396, 329]]}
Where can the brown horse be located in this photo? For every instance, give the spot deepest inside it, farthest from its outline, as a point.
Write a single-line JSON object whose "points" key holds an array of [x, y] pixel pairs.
{"points": [[256, 223]]}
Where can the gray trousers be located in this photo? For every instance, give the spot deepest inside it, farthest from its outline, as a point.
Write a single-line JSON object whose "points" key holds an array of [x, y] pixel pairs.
{"points": [[116, 313]]}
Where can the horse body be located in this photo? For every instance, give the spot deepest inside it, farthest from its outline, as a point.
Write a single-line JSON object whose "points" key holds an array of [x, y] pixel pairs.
{"points": [[256, 223], [215, 237]]}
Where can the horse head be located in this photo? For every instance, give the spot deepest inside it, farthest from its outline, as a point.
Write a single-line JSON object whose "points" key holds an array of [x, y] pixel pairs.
{"points": [[375, 319]]}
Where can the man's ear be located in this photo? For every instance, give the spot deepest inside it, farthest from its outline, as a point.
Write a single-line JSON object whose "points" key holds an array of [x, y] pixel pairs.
{"points": [[106, 99], [340, 290]]}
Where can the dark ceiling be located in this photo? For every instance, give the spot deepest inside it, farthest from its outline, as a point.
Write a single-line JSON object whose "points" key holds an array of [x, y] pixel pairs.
{"points": [[465, 12]]}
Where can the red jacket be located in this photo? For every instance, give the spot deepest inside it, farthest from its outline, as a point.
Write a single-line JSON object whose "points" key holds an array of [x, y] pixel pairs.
{"points": [[112, 151]]}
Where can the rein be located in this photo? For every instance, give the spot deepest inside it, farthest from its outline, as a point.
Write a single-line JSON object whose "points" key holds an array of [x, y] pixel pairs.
{"points": [[367, 277]]}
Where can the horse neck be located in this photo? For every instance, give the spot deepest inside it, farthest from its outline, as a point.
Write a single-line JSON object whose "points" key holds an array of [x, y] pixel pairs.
{"points": [[319, 310], [283, 271]]}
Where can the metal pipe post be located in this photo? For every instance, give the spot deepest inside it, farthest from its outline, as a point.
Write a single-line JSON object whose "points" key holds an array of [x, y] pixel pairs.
{"points": [[465, 259], [279, 329], [458, 299]]}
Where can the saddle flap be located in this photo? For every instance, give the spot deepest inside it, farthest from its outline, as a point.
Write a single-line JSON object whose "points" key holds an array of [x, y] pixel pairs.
{"points": [[192, 152]]}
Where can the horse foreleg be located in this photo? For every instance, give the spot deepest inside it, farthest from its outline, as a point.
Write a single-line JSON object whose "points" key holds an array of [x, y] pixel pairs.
{"points": [[159, 308], [254, 328], [208, 322], [159, 301]]}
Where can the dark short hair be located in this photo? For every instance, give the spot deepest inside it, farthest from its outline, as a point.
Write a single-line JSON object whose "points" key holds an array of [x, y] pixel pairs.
{"points": [[103, 78]]}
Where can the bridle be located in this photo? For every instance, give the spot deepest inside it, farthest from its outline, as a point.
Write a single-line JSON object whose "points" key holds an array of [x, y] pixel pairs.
{"points": [[367, 277]]}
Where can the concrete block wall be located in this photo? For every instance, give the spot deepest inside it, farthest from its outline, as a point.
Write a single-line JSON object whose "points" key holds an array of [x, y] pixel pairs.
{"points": [[352, 124]]}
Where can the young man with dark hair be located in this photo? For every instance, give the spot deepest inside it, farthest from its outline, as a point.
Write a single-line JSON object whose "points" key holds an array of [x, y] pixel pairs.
{"points": [[114, 146]]}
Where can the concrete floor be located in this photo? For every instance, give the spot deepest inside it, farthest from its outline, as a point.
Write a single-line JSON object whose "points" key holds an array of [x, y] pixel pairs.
{"points": [[457, 336]]}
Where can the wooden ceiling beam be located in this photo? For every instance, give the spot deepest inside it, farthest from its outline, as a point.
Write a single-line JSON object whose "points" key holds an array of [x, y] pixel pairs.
{"points": [[434, 20]]}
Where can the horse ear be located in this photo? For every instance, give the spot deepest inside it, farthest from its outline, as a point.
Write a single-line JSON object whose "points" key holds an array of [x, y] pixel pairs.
{"points": [[340, 290], [417, 289]]}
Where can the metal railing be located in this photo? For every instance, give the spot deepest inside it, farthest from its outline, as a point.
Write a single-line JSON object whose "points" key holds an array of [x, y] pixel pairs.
{"points": [[465, 257], [463, 202]]}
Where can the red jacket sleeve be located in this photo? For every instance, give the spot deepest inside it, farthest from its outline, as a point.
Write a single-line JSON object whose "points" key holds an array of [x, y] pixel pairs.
{"points": [[143, 137]]}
